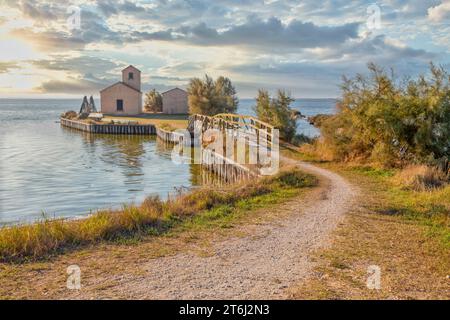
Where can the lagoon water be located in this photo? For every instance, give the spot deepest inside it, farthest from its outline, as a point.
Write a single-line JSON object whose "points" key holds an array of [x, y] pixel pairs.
{"points": [[46, 170]]}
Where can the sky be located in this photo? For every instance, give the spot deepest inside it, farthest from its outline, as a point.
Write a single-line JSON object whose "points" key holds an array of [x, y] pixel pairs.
{"points": [[68, 49]]}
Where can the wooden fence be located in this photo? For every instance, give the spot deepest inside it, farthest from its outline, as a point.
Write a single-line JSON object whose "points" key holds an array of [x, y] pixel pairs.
{"points": [[171, 136], [225, 168]]}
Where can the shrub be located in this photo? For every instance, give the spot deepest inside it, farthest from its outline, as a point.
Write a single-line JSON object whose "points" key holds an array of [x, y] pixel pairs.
{"points": [[300, 139], [153, 101], [209, 97], [277, 112], [390, 122], [295, 179]]}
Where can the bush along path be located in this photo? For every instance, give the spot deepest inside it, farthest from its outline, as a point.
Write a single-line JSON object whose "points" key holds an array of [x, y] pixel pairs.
{"points": [[260, 266]]}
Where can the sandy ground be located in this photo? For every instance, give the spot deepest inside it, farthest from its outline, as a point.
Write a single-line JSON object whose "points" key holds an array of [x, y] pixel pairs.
{"points": [[261, 266]]}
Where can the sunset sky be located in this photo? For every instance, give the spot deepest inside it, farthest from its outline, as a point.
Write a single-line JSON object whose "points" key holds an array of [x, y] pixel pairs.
{"points": [[302, 46]]}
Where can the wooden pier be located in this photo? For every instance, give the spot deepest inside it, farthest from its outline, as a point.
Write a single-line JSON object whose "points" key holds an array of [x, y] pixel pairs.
{"points": [[128, 129]]}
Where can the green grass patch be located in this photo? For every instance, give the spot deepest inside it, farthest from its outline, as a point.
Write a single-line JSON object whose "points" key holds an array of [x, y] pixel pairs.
{"points": [[430, 208], [373, 172], [223, 216]]}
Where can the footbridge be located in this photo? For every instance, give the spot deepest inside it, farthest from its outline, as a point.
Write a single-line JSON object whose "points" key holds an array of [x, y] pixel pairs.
{"points": [[235, 145]]}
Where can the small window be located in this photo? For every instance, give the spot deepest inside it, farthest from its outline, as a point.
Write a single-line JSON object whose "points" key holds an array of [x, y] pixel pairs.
{"points": [[130, 76], [119, 105]]}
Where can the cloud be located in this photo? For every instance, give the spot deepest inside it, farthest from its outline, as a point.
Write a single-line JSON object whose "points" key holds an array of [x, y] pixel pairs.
{"points": [[93, 30], [271, 34], [43, 12], [164, 35], [7, 66], [308, 74], [79, 65], [108, 8], [50, 40], [72, 86], [165, 78], [439, 12], [254, 32], [299, 45], [85, 74], [376, 48], [185, 67]]}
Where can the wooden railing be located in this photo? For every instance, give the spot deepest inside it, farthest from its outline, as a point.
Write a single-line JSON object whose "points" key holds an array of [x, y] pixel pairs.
{"points": [[248, 124]]}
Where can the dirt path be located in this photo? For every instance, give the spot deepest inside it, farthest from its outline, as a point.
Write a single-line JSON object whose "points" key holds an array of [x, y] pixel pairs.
{"points": [[258, 267]]}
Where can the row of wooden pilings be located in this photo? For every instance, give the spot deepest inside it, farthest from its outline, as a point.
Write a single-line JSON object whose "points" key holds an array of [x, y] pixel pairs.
{"points": [[128, 129]]}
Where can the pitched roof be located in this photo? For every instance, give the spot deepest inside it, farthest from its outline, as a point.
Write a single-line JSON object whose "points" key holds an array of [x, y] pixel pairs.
{"points": [[120, 82], [131, 66], [174, 89]]}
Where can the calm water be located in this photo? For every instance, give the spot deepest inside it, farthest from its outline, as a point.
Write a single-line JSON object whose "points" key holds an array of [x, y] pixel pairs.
{"points": [[64, 173]]}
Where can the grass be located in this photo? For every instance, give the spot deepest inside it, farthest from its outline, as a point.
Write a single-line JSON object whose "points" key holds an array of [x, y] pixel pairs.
{"points": [[429, 207], [174, 121], [422, 178], [405, 232], [198, 208]]}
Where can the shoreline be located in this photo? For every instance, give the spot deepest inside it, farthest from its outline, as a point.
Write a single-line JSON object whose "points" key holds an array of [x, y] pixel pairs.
{"points": [[48, 237]]}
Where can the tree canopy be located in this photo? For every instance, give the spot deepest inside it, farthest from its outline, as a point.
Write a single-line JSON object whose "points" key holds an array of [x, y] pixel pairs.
{"points": [[277, 112], [153, 101], [209, 97]]}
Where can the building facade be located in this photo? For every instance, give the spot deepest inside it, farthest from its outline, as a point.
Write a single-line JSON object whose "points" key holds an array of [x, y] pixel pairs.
{"points": [[175, 101], [124, 97]]}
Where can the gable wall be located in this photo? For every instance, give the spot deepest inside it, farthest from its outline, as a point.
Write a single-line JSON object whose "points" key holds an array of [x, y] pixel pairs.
{"points": [[175, 101], [132, 100]]}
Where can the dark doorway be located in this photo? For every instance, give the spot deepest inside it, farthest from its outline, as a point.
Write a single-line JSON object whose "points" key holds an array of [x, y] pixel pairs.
{"points": [[119, 105]]}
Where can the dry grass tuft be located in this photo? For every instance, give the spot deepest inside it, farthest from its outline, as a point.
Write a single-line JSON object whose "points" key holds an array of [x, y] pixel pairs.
{"points": [[318, 150], [421, 178]]}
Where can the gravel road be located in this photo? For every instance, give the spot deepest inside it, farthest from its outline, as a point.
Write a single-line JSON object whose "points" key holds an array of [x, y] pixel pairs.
{"points": [[261, 266]]}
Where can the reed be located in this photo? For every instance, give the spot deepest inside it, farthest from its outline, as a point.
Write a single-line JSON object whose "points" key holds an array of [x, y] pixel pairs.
{"points": [[422, 178]]}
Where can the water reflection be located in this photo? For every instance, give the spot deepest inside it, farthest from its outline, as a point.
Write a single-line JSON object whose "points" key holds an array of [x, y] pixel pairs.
{"points": [[67, 173], [129, 153], [125, 152], [199, 175]]}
